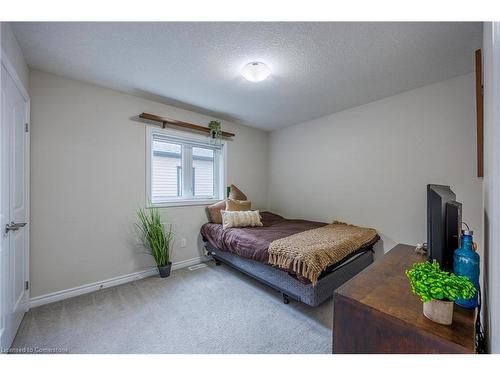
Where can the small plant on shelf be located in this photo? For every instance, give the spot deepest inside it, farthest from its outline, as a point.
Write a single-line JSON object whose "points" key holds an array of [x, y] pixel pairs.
{"points": [[438, 290], [156, 238], [215, 129]]}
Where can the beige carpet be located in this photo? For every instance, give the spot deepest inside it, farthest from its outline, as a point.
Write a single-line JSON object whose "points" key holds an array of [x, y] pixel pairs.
{"points": [[211, 310]]}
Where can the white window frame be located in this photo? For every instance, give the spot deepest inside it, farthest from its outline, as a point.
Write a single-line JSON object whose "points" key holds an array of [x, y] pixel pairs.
{"points": [[220, 168]]}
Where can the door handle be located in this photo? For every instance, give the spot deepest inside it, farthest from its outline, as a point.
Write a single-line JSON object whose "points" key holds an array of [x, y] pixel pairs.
{"points": [[13, 226]]}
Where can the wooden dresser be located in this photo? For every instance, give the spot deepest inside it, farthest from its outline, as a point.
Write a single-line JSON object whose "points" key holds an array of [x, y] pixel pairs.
{"points": [[376, 312]]}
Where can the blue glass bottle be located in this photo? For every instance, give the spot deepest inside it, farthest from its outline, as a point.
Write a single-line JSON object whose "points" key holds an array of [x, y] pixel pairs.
{"points": [[466, 263]]}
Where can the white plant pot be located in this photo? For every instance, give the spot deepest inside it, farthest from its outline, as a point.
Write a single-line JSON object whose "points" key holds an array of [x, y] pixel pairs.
{"points": [[439, 311]]}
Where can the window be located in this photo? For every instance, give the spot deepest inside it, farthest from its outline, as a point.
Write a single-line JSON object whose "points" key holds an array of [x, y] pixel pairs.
{"points": [[184, 169]]}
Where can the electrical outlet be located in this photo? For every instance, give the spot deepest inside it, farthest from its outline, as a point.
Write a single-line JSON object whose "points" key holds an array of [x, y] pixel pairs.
{"points": [[183, 242]]}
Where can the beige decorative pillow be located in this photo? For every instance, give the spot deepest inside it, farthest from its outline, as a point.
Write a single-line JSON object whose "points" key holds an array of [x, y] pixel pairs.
{"points": [[213, 212], [237, 205], [240, 219], [236, 194]]}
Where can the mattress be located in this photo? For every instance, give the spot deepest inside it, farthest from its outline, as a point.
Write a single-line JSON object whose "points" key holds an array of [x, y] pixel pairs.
{"points": [[253, 243]]}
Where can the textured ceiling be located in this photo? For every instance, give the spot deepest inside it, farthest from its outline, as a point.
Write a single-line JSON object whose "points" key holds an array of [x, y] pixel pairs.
{"points": [[317, 68]]}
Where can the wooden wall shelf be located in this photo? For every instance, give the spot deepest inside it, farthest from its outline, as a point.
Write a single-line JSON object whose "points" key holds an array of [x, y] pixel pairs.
{"points": [[164, 121], [479, 113]]}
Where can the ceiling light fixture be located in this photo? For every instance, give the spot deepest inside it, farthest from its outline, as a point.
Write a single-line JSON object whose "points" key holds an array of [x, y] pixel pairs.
{"points": [[256, 71]]}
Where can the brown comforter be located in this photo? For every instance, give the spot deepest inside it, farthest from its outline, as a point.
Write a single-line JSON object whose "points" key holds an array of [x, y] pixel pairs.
{"points": [[253, 243]]}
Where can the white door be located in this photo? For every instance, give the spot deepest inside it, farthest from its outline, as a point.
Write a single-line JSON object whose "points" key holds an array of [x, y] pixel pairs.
{"points": [[14, 152]]}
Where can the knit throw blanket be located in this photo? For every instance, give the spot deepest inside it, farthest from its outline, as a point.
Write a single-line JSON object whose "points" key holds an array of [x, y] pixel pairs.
{"points": [[311, 252]]}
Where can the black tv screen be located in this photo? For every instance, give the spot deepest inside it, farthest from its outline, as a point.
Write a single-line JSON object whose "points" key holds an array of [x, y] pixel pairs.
{"points": [[444, 217]]}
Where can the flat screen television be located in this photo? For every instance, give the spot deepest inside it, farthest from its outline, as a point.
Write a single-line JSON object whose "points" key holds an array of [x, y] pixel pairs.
{"points": [[444, 219]]}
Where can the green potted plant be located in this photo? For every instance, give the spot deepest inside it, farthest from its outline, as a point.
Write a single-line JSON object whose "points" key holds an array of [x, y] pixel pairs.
{"points": [[215, 129], [155, 238], [438, 290]]}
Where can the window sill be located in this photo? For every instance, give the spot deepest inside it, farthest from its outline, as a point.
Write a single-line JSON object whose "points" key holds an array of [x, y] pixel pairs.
{"points": [[186, 203]]}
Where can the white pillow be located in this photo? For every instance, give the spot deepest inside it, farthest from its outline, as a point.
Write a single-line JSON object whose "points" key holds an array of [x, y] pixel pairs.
{"points": [[240, 219]]}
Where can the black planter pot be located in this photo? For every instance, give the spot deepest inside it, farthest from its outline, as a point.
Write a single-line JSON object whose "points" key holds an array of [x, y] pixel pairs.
{"points": [[165, 270]]}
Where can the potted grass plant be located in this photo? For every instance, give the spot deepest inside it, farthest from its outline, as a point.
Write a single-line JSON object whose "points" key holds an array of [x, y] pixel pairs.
{"points": [[156, 239], [438, 290]]}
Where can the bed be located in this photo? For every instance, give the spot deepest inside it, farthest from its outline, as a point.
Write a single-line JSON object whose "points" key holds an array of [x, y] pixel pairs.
{"points": [[246, 249]]}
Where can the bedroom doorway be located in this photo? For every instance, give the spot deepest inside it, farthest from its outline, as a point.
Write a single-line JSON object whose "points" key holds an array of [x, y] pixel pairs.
{"points": [[14, 204]]}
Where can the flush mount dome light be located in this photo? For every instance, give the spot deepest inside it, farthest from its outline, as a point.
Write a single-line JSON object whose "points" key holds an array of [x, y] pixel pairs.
{"points": [[256, 71]]}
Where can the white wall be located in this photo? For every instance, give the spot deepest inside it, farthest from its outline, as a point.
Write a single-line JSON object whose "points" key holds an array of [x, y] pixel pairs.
{"points": [[491, 79], [11, 48], [88, 179], [370, 165]]}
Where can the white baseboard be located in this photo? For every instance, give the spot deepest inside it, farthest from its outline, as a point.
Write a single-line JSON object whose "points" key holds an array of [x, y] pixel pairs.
{"points": [[92, 287]]}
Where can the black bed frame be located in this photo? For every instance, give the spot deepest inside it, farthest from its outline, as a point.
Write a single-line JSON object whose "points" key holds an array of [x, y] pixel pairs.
{"points": [[287, 294]]}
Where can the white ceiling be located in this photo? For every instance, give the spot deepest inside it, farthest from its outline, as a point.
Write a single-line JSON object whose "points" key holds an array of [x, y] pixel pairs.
{"points": [[317, 68]]}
